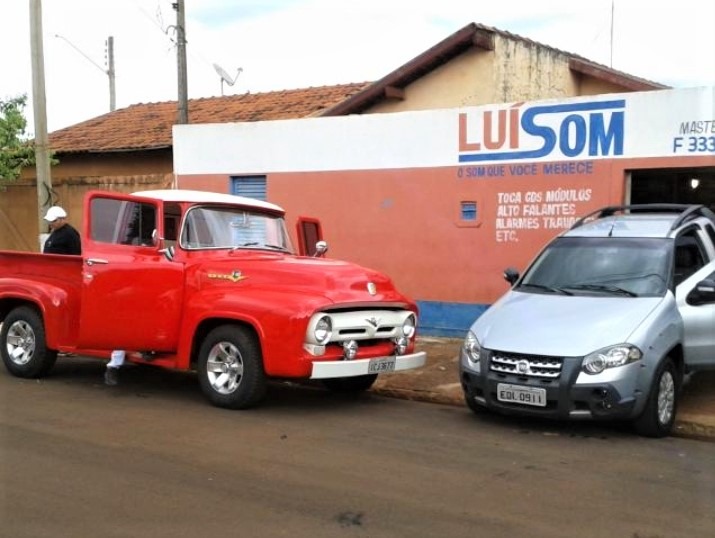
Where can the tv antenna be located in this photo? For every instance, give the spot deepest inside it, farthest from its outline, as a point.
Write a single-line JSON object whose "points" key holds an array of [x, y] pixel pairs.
{"points": [[225, 77]]}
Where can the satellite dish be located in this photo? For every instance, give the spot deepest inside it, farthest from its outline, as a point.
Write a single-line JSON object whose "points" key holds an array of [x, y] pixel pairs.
{"points": [[225, 77]]}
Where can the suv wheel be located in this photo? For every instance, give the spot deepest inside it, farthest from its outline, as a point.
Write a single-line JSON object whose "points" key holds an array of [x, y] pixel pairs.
{"points": [[658, 416]]}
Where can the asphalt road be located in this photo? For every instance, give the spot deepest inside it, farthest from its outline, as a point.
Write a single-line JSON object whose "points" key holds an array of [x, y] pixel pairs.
{"points": [[151, 458]]}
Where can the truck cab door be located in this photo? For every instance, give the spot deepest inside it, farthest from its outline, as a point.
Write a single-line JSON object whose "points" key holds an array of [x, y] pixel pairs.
{"points": [[309, 233], [131, 292]]}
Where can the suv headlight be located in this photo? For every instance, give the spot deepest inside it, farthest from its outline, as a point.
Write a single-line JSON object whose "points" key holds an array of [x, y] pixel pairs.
{"points": [[472, 349], [610, 357]]}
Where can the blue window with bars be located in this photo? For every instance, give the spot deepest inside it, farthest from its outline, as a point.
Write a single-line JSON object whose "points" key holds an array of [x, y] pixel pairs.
{"points": [[469, 211], [249, 186]]}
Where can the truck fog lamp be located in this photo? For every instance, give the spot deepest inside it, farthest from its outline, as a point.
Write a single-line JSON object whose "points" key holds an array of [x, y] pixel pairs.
{"points": [[471, 348], [350, 349], [323, 330], [408, 326], [401, 345], [610, 357]]}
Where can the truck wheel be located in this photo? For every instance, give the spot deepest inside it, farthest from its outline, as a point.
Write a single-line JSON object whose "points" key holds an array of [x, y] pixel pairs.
{"points": [[659, 414], [358, 383], [231, 369], [22, 344]]}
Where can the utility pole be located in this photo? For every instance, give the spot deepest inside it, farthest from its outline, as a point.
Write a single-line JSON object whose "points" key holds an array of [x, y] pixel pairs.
{"points": [[110, 74], [39, 107], [109, 71], [183, 103], [613, 9]]}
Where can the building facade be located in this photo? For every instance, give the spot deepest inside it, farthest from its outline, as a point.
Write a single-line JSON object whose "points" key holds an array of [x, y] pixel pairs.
{"points": [[445, 200]]}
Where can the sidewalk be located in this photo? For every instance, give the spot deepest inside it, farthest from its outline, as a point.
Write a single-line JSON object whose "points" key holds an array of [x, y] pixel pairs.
{"points": [[438, 382]]}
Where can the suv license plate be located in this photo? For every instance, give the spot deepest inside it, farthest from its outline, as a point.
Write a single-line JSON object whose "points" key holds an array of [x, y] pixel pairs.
{"points": [[521, 395], [377, 366]]}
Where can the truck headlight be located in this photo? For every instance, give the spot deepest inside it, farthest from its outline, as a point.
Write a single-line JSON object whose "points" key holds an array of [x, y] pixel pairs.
{"points": [[472, 349], [408, 326], [610, 357], [323, 330]]}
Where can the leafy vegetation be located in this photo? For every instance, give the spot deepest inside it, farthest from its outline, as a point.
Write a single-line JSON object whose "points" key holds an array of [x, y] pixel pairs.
{"points": [[16, 152]]}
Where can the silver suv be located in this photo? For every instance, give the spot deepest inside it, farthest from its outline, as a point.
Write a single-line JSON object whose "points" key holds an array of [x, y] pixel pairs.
{"points": [[604, 323]]}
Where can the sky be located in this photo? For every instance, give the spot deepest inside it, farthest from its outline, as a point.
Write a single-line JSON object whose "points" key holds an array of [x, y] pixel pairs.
{"points": [[268, 45]]}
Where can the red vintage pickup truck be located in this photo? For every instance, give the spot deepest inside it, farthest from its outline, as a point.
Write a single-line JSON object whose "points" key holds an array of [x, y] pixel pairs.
{"points": [[208, 282]]}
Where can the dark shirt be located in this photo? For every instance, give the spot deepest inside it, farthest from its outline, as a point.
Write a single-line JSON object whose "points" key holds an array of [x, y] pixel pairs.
{"points": [[63, 240]]}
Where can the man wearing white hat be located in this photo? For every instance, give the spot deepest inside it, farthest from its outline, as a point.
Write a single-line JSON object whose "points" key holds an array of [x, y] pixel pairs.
{"points": [[63, 239]]}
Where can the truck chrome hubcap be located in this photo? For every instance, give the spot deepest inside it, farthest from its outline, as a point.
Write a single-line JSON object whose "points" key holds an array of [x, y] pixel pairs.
{"points": [[224, 368], [666, 398], [20, 342]]}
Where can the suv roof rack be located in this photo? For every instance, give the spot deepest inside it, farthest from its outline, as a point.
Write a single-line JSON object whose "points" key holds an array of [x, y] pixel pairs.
{"points": [[685, 212]]}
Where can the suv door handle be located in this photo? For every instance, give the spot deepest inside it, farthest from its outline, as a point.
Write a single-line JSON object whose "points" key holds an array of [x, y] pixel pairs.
{"points": [[99, 261]]}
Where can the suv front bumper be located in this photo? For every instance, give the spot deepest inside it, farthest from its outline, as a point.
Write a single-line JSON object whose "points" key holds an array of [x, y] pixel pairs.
{"points": [[564, 398]]}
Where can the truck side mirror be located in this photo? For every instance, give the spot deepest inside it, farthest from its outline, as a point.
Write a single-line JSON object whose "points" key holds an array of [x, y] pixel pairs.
{"points": [[321, 247], [160, 243], [168, 252], [702, 293], [511, 275]]}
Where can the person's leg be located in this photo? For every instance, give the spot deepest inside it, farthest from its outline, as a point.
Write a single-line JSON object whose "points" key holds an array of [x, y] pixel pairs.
{"points": [[111, 374]]}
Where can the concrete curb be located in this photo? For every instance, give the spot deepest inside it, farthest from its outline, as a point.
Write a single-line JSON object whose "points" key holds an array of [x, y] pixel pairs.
{"points": [[694, 430]]}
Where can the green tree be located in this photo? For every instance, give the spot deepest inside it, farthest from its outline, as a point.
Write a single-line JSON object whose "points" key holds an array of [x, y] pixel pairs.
{"points": [[16, 151]]}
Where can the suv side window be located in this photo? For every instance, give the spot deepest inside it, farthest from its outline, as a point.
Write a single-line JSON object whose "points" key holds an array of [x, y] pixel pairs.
{"points": [[689, 255], [711, 232]]}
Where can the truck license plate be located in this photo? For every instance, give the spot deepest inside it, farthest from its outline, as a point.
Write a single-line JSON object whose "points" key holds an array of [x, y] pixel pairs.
{"points": [[377, 366], [507, 392]]}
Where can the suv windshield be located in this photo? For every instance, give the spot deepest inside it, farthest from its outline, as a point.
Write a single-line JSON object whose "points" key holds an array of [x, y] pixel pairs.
{"points": [[628, 267], [235, 228]]}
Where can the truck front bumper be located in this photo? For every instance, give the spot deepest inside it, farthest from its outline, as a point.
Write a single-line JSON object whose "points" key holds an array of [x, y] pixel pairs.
{"points": [[376, 365]]}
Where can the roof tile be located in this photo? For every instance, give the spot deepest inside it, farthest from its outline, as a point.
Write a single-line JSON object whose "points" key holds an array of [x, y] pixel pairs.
{"points": [[149, 125]]}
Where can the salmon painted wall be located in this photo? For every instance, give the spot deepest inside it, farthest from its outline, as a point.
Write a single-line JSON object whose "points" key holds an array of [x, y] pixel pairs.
{"points": [[396, 205]]}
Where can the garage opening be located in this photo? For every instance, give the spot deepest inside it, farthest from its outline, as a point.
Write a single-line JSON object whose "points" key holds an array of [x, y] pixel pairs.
{"points": [[674, 186]]}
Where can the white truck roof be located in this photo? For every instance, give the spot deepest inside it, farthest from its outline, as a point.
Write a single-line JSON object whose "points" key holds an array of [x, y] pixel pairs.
{"points": [[203, 197]]}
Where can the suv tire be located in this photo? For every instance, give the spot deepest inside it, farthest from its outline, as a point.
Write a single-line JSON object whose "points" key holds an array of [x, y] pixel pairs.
{"points": [[658, 416]]}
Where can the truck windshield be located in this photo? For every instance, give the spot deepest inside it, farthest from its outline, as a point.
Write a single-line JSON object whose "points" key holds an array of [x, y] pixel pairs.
{"points": [[234, 228], [629, 267]]}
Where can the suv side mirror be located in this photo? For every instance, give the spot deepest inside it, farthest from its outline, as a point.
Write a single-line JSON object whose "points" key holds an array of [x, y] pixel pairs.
{"points": [[511, 275], [702, 293]]}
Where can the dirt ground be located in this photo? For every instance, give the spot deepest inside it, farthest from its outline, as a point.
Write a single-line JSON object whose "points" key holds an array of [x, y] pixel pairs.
{"points": [[437, 381]]}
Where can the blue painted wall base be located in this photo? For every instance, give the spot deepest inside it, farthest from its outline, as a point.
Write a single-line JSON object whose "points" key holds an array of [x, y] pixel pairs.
{"points": [[450, 320]]}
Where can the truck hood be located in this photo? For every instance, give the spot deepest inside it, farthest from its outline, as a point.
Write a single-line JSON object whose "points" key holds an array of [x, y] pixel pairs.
{"points": [[330, 281], [560, 325]]}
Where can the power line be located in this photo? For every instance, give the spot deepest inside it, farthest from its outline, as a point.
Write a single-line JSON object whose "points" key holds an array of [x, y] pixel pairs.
{"points": [[109, 71]]}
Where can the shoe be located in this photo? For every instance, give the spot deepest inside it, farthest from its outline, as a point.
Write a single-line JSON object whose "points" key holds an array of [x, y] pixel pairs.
{"points": [[111, 376]]}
